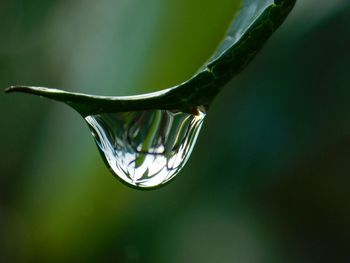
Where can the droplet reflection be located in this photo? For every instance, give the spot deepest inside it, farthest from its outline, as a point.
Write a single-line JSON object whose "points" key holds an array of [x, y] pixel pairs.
{"points": [[146, 148]]}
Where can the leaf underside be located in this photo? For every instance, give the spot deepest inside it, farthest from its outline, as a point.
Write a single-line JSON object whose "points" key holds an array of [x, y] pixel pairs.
{"points": [[255, 23]]}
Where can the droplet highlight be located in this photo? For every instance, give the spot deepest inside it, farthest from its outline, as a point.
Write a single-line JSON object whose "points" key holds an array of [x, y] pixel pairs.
{"points": [[146, 149]]}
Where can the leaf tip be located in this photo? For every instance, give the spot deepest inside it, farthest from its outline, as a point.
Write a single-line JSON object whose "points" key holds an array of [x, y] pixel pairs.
{"points": [[16, 89], [9, 89]]}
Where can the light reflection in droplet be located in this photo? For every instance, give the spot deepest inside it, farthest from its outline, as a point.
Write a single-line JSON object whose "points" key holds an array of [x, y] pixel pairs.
{"points": [[146, 148]]}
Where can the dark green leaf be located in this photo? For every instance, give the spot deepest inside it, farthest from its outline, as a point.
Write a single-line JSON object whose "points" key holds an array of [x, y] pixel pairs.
{"points": [[253, 25]]}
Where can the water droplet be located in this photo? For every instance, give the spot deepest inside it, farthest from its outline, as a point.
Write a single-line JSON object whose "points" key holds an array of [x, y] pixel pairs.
{"points": [[146, 148]]}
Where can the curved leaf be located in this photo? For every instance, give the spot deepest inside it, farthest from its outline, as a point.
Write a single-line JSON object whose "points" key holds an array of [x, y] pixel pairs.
{"points": [[255, 23]]}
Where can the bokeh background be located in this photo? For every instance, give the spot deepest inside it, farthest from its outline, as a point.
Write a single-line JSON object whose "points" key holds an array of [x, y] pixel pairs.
{"points": [[267, 182]]}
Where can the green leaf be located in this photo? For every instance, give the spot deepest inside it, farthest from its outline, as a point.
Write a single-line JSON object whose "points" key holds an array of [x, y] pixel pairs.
{"points": [[251, 28]]}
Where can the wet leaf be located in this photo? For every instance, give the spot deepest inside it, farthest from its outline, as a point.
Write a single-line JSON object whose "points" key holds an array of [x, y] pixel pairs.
{"points": [[145, 140], [251, 28]]}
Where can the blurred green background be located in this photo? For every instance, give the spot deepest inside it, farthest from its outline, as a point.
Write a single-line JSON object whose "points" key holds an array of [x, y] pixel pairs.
{"points": [[267, 182]]}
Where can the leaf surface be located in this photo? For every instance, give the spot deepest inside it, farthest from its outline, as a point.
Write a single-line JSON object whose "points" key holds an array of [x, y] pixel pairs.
{"points": [[252, 26]]}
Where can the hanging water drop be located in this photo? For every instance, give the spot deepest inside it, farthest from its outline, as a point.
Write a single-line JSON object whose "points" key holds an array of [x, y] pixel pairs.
{"points": [[148, 148], [145, 146]]}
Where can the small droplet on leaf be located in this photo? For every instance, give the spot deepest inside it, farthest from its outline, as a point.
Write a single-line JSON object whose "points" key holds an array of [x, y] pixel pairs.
{"points": [[146, 139], [146, 149]]}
